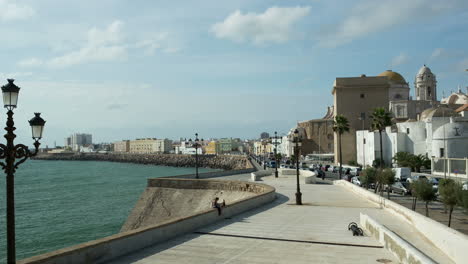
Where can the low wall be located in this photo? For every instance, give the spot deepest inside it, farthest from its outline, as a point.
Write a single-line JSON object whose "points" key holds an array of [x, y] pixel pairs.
{"points": [[256, 176], [112, 247], [214, 174], [306, 176], [450, 241], [401, 249]]}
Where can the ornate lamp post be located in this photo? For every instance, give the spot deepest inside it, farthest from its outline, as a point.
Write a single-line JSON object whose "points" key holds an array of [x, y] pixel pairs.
{"points": [[10, 153], [276, 143], [297, 142], [196, 145]]}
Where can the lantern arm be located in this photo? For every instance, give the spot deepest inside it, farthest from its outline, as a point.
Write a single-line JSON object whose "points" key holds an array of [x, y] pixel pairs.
{"points": [[3, 150], [22, 152]]}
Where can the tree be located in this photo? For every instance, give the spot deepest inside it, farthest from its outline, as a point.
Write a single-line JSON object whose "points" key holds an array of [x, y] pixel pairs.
{"points": [[414, 193], [279, 157], [377, 163], [368, 176], [425, 192], [381, 119], [417, 161], [448, 190], [402, 159], [340, 125], [462, 196], [386, 177], [354, 163]]}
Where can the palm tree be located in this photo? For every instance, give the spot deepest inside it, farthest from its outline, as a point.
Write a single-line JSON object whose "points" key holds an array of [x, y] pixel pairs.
{"points": [[381, 119], [340, 125]]}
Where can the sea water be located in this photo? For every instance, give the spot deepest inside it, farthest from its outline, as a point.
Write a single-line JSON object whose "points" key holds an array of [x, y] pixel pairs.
{"points": [[63, 203]]}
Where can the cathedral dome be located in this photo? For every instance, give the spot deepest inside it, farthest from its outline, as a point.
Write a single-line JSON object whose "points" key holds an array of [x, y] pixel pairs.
{"points": [[441, 111], [393, 76]]}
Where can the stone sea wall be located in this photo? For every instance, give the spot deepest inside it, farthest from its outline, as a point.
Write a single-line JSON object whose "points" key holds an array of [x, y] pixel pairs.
{"points": [[225, 162]]}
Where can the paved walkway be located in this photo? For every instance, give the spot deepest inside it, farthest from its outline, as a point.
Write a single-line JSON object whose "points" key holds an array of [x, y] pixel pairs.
{"points": [[282, 232]]}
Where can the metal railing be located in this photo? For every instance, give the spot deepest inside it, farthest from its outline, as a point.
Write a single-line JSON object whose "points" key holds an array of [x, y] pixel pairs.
{"points": [[450, 167]]}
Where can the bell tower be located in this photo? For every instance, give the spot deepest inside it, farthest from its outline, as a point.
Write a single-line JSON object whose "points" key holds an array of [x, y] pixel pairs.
{"points": [[425, 85]]}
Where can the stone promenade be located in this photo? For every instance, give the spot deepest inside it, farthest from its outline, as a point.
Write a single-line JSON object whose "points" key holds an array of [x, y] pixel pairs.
{"points": [[282, 232]]}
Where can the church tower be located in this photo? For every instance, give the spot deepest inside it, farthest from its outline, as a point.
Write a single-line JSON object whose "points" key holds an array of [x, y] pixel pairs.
{"points": [[426, 85]]}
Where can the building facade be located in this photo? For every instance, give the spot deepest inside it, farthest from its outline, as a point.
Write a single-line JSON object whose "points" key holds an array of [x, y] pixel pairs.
{"points": [[150, 145], [440, 133], [356, 98], [76, 140], [122, 146], [318, 134], [212, 148]]}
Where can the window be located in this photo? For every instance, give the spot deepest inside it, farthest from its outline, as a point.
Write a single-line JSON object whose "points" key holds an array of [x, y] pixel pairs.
{"points": [[397, 96], [407, 130], [399, 111], [363, 116], [362, 95], [428, 91], [442, 152], [364, 140]]}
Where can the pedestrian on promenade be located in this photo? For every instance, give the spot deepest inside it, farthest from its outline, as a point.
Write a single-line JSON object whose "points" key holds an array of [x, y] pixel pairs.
{"points": [[217, 205]]}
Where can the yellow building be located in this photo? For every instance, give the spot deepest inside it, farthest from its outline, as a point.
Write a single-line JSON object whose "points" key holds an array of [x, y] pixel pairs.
{"points": [[263, 148], [212, 148]]}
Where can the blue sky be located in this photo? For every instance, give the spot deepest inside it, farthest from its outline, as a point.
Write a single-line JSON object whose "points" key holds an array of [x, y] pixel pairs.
{"points": [[127, 69]]}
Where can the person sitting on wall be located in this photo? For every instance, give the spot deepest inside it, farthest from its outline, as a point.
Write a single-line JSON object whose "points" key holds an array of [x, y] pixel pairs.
{"points": [[217, 205]]}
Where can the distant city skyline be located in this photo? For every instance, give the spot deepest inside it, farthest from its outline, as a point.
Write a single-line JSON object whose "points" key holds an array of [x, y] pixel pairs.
{"points": [[121, 70]]}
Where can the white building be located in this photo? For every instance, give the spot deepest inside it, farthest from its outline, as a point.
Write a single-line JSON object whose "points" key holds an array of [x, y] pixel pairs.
{"points": [[440, 132], [187, 148], [77, 140]]}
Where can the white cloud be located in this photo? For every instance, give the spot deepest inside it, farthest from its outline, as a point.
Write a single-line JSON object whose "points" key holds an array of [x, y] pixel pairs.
{"points": [[31, 62], [399, 60], [11, 10], [437, 53], [371, 16], [101, 45], [159, 41], [274, 25]]}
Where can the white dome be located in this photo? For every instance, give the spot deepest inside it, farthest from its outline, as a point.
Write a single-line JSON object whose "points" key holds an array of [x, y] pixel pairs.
{"points": [[455, 130], [424, 70], [456, 98]]}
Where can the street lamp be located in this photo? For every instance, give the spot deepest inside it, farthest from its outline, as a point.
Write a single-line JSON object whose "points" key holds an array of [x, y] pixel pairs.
{"points": [[264, 144], [275, 143], [297, 142], [196, 145], [10, 153]]}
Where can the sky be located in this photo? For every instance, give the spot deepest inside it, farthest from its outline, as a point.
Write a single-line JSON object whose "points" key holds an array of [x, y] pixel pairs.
{"points": [[167, 69]]}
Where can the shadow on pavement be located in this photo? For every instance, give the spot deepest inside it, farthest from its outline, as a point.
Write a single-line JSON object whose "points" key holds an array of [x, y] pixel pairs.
{"points": [[156, 248]]}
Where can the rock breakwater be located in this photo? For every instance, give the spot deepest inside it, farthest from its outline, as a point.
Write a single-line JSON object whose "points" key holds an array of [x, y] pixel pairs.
{"points": [[225, 162]]}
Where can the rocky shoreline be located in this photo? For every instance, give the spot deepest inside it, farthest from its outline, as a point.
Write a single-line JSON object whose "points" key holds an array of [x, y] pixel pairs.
{"points": [[225, 162]]}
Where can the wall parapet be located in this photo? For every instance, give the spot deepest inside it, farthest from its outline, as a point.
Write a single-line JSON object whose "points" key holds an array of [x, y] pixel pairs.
{"points": [[399, 247], [448, 240]]}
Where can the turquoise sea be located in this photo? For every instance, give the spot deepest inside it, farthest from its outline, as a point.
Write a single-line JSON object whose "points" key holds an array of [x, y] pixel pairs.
{"points": [[63, 203]]}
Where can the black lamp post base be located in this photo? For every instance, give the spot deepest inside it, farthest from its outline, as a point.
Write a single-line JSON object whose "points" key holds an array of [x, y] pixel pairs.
{"points": [[276, 174], [298, 198]]}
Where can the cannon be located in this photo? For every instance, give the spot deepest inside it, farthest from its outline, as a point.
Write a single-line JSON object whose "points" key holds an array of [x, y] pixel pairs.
{"points": [[355, 229]]}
